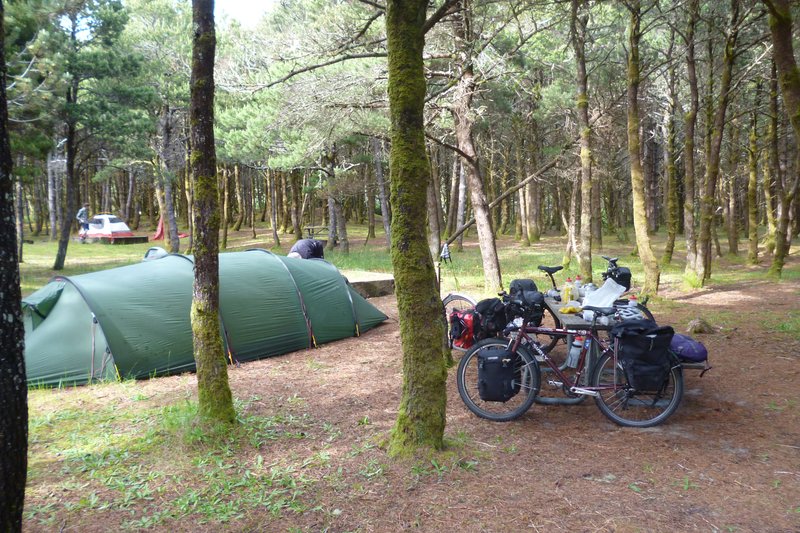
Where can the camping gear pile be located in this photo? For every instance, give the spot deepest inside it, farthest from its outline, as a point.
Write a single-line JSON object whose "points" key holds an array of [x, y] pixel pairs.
{"points": [[491, 316]]}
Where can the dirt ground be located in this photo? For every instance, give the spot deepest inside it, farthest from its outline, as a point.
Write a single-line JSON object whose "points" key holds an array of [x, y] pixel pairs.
{"points": [[728, 460]]}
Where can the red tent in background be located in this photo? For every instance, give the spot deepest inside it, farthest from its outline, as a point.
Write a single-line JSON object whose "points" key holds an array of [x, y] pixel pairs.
{"points": [[159, 234]]}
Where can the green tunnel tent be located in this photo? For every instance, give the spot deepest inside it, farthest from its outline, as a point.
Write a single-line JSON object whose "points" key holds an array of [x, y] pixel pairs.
{"points": [[134, 321]]}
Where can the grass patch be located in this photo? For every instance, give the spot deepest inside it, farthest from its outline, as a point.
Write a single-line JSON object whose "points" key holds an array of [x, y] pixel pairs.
{"points": [[154, 466], [782, 323]]}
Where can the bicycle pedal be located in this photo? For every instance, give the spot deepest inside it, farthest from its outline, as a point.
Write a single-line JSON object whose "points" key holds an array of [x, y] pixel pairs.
{"points": [[555, 384]]}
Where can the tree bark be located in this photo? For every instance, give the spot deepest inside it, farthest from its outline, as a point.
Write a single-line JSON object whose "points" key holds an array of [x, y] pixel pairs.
{"points": [[13, 389], [273, 208], [382, 195], [669, 157], [215, 399], [421, 415], [584, 252], [652, 272], [463, 116], [690, 123], [780, 25], [708, 202], [752, 187]]}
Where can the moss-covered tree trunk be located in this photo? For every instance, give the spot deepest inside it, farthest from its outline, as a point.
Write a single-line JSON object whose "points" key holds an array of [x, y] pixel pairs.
{"points": [[215, 399], [652, 272], [13, 390], [752, 188], [690, 123], [709, 199], [732, 207], [780, 25], [421, 415], [772, 169], [578, 30]]}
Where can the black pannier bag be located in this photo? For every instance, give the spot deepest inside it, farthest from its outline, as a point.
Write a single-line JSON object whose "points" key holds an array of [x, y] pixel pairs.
{"points": [[497, 380], [644, 353], [493, 318]]}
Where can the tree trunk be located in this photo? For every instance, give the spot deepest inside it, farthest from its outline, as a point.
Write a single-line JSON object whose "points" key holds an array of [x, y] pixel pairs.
{"points": [[652, 272], [20, 218], [166, 126], [780, 25], [384, 197], [70, 183], [752, 187], [215, 399], [584, 251], [707, 204], [669, 157], [189, 190], [225, 196], [463, 116], [53, 187], [434, 231], [238, 185], [421, 415], [690, 123], [461, 210], [571, 223], [273, 207], [13, 390], [130, 195], [732, 209]]}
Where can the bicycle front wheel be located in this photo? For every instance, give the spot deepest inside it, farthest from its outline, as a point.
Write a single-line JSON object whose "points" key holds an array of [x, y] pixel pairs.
{"points": [[527, 380], [626, 407], [455, 302]]}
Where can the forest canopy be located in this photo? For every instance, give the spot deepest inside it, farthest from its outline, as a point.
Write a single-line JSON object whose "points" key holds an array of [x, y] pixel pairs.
{"points": [[517, 92]]}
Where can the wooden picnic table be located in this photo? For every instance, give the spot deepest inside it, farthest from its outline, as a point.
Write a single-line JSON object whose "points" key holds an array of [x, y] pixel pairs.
{"points": [[312, 231], [571, 321]]}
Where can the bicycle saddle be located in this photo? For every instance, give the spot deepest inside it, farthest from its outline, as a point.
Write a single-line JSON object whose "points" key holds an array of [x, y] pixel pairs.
{"points": [[600, 311], [550, 270]]}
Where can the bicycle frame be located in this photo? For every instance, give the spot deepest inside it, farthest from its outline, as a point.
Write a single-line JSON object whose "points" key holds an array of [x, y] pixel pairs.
{"points": [[570, 385]]}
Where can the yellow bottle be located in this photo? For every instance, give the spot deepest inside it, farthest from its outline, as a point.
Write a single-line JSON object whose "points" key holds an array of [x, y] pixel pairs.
{"points": [[566, 292]]}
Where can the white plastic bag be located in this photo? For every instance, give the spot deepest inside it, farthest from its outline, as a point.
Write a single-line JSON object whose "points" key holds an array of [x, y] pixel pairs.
{"points": [[605, 296]]}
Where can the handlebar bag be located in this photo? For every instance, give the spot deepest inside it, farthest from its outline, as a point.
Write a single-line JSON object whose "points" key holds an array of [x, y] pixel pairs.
{"points": [[498, 381]]}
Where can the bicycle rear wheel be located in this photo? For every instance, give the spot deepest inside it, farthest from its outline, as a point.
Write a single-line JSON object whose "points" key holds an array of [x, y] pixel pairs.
{"points": [[527, 370], [626, 407], [455, 302]]}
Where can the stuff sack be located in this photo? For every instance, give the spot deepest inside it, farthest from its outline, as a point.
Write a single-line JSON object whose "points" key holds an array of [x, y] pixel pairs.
{"points": [[492, 318], [462, 327], [497, 380], [518, 286], [646, 377], [688, 349]]}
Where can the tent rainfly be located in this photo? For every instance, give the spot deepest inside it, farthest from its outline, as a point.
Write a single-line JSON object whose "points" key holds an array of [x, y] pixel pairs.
{"points": [[133, 321]]}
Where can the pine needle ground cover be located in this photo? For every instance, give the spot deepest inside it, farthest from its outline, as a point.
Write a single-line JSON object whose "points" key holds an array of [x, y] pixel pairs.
{"points": [[307, 456]]}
